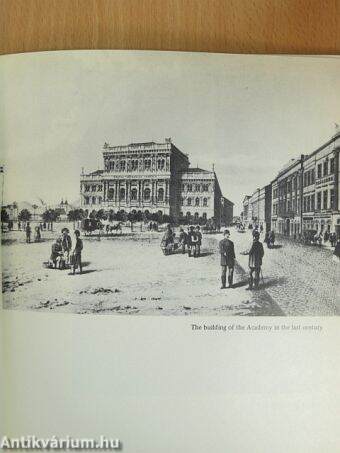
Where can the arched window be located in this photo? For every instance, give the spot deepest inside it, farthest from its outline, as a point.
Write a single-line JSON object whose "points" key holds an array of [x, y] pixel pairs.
{"points": [[188, 215], [160, 195], [204, 215], [189, 187], [205, 201], [197, 202], [122, 194], [147, 164], [134, 165], [196, 215], [198, 187], [87, 201], [111, 165], [110, 193], [189, 202], [122, 165], [147, 194], [134, 194], [93, 200]]}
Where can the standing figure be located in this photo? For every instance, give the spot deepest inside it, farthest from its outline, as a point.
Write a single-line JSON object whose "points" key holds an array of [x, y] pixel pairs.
{"points": [[227, 252], [272, 238], [28, 232], [67, 244], [56, 253], [191, 242], [255, 253], [77, 253], [267, 239], [336, 253], [37, 236], [183, 239], [332, 239], [198, 242]]}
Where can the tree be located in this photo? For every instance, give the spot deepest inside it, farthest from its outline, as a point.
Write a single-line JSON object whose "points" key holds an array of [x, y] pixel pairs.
{"points": [[111, 215], [24, 215], [139, 216], [101, 215], [50, 216], [93, 214], [4, 216]]}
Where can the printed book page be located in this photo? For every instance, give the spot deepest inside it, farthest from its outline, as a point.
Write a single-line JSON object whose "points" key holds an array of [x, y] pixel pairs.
{"points": [[170, 252]]}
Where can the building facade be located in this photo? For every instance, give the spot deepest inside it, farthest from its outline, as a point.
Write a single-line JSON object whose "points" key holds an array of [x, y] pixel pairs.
{"points": [[304, 195], [257, 208], [154, 178]]}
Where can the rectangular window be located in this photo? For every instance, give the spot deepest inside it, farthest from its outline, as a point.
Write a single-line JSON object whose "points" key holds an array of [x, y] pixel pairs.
{"points": [[312, 177], [325, 199], [312, 202], [331, 169], [320, 171], [332, 199], [318, 200], [325, 168]]}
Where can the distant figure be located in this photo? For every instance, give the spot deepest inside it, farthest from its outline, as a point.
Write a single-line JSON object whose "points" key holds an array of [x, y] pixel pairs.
{"points": [[19, 226], [326, 236], [28, 232], [267, 239], [227, 252], [37, 236], [198, 242], [336, 253], [66, 244], [256, 254], [183, 239], [77, 253], [56, 253], [167, 240], [272, 238], [332, 239], [191, 242], [261, 228]]}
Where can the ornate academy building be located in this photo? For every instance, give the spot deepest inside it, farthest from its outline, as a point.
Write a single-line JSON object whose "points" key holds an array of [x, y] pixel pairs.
{"points": [[154, 177]]}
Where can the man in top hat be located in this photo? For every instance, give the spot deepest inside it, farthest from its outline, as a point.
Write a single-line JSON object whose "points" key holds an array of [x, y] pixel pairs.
{"points": [[256, 254], [192, 239], [227, 252]]}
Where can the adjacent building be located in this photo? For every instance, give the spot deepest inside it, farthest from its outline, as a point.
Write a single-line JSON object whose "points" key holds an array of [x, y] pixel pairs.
{"points": [[303, 196], [154, 178]]}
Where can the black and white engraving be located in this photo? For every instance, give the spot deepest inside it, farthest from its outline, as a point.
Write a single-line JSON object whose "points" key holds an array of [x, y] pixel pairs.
{"points": [[235, 212]]}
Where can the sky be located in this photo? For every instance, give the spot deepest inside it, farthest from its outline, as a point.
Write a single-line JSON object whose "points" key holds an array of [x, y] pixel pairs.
{"points": [[247, 115]]}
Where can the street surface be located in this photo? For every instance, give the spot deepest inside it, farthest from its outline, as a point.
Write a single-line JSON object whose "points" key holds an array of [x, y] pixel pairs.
{"points": [[130, 275]]}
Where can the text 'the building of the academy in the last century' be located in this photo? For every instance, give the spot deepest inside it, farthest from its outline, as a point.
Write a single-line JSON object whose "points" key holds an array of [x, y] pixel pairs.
{"points": [[155, 178]]}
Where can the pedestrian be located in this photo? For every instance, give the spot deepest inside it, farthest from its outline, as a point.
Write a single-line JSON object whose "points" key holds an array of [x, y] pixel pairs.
{"points": [[267, 239], [336, 253], [261, 228], [227, 253], [191, 242], [256, 254], [76, 260], [37, 236], [272, 238], [198, 242], [28, 232], [167, 240], [66, 244], [326, 236], [183, 239]]}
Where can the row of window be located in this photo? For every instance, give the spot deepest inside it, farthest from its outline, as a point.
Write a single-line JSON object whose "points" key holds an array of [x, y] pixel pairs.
{"points": [[93, 200], [326, 168], [93, 187], [132, 165], [195, 187], [194, 201], [134, 194], [188, 215], [324, 200]]}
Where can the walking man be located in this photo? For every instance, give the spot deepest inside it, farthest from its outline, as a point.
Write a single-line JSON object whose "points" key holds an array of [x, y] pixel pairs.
{"points": [[77, 253], [28, 232], [191, 241], [198, 242], [227, 252], [255, 253], [183, 239]]}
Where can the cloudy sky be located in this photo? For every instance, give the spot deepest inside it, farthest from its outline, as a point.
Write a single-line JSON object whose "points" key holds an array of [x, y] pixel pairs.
{"points": [[246, 114]]}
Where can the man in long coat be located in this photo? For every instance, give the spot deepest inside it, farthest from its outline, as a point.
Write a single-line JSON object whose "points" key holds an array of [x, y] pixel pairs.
{"points": [[256, 254], [227, 252]]}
